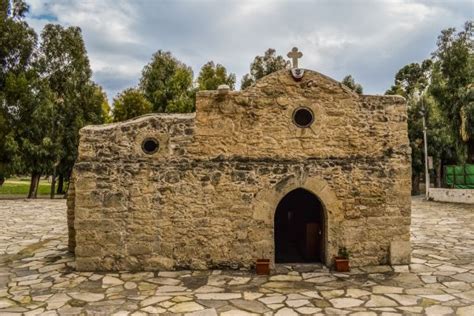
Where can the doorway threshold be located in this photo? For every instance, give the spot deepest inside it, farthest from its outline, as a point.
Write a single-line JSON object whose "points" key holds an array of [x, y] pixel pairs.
{"points": [[281, 268]]}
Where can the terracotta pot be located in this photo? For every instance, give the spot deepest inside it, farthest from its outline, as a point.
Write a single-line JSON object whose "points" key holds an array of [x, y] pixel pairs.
{"points": [[263, 266], [342, 264]]}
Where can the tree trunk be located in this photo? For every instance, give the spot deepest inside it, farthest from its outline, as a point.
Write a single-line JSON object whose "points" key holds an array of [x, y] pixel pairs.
{"points": [[38, 178], [53, 184], [439, 174], [60, 185], [415, 184], [33, 192]]}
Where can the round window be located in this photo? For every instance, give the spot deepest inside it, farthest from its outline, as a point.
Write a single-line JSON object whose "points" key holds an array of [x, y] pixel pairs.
{"points": [[303, 117], [150, 145]]}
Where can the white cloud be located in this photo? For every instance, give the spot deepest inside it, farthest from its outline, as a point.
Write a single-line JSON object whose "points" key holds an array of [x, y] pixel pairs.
{"points": [[369, 39]]}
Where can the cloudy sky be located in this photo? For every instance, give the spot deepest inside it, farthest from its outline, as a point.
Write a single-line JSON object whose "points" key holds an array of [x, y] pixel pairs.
{"points": [[370, 39]]}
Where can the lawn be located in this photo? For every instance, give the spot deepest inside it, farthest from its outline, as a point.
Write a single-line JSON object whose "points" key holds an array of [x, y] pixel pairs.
{"points": [[21, 186]]}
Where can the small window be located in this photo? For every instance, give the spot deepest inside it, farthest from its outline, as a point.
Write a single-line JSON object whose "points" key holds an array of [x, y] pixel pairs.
{"points": [[150, 145], [303, 117]]}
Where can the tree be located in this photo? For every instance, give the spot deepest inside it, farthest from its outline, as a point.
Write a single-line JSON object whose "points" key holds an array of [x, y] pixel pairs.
{"points": [[410, 81], [453, 86], [349, 82], [168, 84], [17, 44], [76, 100], [211, 76], [264, 65], [130, 103]]}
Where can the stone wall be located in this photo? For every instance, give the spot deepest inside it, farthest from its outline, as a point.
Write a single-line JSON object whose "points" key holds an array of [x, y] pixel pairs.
{"points": [[207, 198]]}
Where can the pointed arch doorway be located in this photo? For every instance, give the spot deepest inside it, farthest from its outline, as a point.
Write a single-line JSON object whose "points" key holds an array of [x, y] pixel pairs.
{"points": [[299, 228]]}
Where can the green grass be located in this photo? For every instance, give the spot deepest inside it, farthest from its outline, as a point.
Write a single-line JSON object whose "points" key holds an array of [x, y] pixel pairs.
{"points": [[21, 186]]}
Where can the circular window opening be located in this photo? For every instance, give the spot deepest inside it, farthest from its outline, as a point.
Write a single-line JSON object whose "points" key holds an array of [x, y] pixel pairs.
{"points": [[303, 117], [150, 146]]}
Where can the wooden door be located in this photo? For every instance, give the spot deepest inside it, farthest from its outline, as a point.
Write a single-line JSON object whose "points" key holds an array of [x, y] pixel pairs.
{"points": [[312, 241]]}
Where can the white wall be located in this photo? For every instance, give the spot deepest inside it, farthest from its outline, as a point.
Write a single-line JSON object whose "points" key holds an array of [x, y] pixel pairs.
{"points": [[452, 195]]}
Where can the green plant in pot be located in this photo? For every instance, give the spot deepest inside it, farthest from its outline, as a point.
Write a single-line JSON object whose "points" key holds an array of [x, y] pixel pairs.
{"points": [[342, 260]]}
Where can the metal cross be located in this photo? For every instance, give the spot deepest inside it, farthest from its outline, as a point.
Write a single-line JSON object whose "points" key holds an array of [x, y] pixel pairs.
{"points": [[294, 55]]}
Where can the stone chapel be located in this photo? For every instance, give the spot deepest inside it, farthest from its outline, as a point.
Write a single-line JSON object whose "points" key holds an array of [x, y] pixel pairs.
{"points": [[290, 169]]}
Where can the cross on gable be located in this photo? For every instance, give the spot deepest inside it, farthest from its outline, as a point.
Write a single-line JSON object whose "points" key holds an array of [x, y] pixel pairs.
{"points": [[294, 55]]}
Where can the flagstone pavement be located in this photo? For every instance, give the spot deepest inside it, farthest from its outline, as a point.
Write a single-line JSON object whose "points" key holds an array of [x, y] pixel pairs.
{"points": [[37, 275]]}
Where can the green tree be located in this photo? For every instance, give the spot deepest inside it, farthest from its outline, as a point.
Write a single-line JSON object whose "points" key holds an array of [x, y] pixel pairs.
{"points": [[76, 100], [101, 97], [264, 65], [212, 75], [349, 82], [453, 86], [17, 44], [168, 84], [410, 82], [130, 103]]}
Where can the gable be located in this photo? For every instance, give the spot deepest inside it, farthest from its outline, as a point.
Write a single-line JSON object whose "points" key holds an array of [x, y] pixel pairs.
{"points": [[259, 121]]}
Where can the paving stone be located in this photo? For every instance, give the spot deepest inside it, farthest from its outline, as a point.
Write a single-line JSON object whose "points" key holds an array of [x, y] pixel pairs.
{"points": [[130, 285], [273, 299], [321, 279], [412, 309], [252, 295], [250, 306], [87, 296], [239, 280], [404, 300], [379, 301], [345, 302], [164, 281], [308, 310], [235, 312], [4, 303], [209, 289], [356, 293], [275, 306], [186, 307], [153, 310], [465, 311], [204, 312], [335, 311], [441, 298], [332, 293], [296, 303], [438, 310], [285, 278], [380, 289], [218, 296], [109, 280], [312, 294], [153, 300], [286, 312]]}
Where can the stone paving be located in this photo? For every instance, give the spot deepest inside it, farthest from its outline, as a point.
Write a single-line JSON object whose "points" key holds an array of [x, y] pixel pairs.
{"points": [[37, 275]]}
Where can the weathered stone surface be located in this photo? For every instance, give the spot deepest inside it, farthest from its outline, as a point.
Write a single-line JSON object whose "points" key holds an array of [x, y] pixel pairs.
{"points": [[216, 180], [251, 306], [400, 252], [345, 302], [186, 307]]}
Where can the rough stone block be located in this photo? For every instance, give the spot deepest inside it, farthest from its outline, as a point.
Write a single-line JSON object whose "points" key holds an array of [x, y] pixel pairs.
{"points": [[400, 252]]}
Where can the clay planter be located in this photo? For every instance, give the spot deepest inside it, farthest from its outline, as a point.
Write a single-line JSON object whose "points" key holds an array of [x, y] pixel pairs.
{"points": [[263, 266], [342, 264]]}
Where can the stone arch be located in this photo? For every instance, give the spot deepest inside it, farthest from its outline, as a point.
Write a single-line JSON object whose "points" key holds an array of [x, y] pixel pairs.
{"points": [[267, 202]]}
